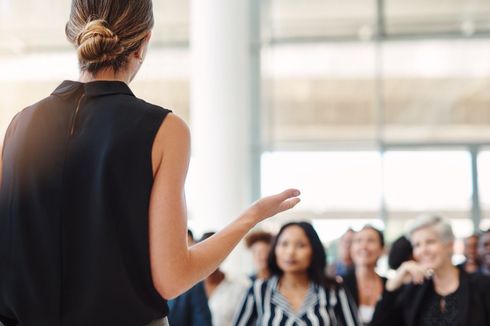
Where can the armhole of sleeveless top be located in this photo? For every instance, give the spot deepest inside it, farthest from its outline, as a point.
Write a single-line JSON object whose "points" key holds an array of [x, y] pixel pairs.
{"points": [[9, 131], [159, 124], [156, 129]]}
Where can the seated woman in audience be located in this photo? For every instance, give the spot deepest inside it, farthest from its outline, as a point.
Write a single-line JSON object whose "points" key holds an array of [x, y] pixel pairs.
{"points": [[259, 243], [364, 284], [298, 292], [431, 290]]}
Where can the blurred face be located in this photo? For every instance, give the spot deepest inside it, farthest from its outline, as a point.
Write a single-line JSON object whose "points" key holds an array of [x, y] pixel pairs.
{"points": [[293, 250], [366, 248], [484, 250], [260, 252], [429, 249], [471, 247], [345, 247]]}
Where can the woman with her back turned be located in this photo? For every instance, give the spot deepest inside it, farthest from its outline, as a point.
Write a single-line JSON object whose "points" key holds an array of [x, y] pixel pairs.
{"points": [[92, 208]]}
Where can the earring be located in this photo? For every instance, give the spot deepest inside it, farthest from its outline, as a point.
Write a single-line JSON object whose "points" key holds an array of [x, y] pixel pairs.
{"points": [[141, 61]]}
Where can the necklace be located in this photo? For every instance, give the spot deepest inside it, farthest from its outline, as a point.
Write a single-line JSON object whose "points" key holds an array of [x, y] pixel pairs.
{"points": [[442, 304], [369, 292]]}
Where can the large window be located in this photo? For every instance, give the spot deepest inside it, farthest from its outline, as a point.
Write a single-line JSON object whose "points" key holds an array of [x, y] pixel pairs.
{"points": [[419, 17], [289, 20], [329, 181], [484, 186], [438, 94], [340, 80], [427, 180], [319, 93]]}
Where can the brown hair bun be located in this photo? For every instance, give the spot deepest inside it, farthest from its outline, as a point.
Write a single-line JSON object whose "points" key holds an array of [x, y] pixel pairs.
{"points": [[106, 32], [97, 43]]}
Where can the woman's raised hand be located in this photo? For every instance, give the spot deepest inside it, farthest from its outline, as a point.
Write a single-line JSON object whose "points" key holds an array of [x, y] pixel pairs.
{"points": [[274, 204], [408, 272]]}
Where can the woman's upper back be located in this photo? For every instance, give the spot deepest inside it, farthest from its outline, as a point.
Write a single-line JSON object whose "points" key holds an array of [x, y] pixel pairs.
{"points": [[76, 184]]}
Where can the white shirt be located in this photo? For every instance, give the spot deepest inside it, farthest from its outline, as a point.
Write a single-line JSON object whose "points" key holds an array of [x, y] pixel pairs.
{"points": [[366, 313], [225, 300]]}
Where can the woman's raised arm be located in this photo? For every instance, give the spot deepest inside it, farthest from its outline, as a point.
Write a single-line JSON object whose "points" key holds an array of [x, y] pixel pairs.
{"points": [[176, 267]]}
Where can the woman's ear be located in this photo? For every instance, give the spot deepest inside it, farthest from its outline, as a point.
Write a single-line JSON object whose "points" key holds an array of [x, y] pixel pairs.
{"points": [[140, 53]]}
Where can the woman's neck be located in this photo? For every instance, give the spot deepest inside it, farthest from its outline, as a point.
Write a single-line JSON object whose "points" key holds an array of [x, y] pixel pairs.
{"points": [[366, 272], [104, 74], [446, 279], [294, 280], [263, 274]]}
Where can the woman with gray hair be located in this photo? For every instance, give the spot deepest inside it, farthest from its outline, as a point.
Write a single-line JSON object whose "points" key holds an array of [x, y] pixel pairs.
{"points": [[430, 290]]}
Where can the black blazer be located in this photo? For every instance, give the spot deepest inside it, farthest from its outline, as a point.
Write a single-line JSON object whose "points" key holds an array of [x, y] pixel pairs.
{"points": [[350, 283], [402, 307]]}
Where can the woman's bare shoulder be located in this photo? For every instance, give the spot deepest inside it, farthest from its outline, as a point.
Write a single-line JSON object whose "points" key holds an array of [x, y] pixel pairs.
{"points": [[173, 138]]}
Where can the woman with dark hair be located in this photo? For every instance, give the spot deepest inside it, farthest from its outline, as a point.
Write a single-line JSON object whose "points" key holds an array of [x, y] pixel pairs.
{"points": [[401, 251], [92, 205], [298, 291], [364, 284]]}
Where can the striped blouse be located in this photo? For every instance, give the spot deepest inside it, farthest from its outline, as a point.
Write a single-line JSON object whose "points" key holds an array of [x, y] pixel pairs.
{"points": [[264, 305]]}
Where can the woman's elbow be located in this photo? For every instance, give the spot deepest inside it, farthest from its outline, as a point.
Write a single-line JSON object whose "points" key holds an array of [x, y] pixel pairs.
{"points": [[167, 290]]}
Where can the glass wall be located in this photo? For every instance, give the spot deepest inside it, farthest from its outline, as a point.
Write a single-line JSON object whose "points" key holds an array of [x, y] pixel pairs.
{"points": [[484, 186], [408, 80], [427, 181], [335, 182], [450, 17]]}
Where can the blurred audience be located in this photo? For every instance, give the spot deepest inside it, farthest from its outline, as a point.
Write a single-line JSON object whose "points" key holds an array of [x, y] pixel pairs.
{"points": [[343, 265], [431, 290], [471, 263], [259, 243], [190, 308], [364, 284], [291, 288], [298, 292], [400, 252], [484, 252], [224, 294]]}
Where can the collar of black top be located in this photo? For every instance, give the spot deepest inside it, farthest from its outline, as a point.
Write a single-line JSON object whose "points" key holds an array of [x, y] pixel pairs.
{"points": [[95, 88]]}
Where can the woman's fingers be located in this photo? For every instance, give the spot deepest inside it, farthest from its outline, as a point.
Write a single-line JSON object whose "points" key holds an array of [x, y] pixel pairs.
{"points": [[289, 193], [288, 204], [271, 205], [409, 272], [417, 273]]}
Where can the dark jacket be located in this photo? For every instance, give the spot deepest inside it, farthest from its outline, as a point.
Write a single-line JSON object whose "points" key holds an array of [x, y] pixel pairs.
{"points": [[403, 307], [190, 308], [350, 283]]}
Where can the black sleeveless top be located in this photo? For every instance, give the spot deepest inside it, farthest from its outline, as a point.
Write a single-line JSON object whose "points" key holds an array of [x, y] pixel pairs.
{"points": [[74, 199]]}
